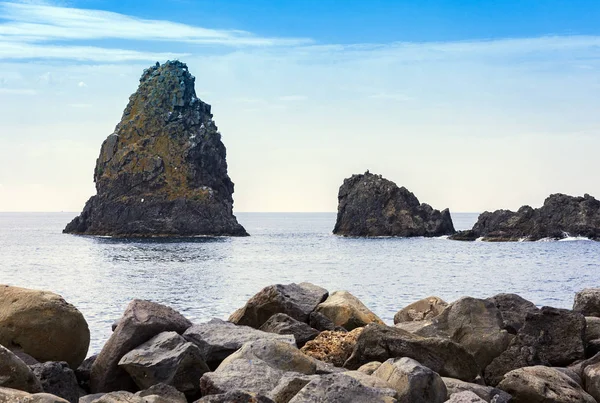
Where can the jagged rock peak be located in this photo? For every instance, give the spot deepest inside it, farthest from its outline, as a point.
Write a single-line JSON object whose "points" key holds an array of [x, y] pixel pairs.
{"points": [[561, 216], [163, 172], [370, 205]]}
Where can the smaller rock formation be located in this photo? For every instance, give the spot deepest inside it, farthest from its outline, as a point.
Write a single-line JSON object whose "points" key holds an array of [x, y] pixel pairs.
{"points": [[347, 311], [423, 309], [369, 205], [560, 217]]}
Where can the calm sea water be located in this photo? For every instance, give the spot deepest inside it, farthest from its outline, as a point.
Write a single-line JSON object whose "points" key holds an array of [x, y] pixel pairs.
{"points": [[205, 278]]}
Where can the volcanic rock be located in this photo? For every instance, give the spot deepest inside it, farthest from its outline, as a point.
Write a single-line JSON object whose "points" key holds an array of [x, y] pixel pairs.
{"points": [[561, 216], [163, 170], [369, 205]]}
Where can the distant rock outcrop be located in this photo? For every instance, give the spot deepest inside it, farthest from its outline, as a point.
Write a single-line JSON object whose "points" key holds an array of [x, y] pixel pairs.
{"points": [[561, 216], [163, 171], [370, 205]]}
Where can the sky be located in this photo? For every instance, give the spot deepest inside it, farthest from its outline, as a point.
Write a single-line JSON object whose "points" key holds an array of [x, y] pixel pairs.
{"points": [[471, 105]]}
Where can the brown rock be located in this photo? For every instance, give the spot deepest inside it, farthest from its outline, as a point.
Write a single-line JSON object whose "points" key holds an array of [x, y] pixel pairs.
{"points": [[15, 374], [347, 311], [43, 325], [332, 347], [426, 308]]}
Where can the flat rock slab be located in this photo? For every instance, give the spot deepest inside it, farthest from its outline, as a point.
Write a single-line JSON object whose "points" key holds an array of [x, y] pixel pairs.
{"points": [[218, 339]]}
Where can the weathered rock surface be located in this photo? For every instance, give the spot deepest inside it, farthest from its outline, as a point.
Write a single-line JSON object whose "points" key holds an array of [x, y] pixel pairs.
{"points": [[540, 384], [332, 347], [424, 309], [169, 359], [514, 310], [320, 322], [587, 301], [235, 396], [295, 300], [57, 379], [465, 397], [552, 337], [340, 388], [163, 170], [369, 367], [591, 380], [560, 216], [487, 393], [162, 393], [82, 373], [380, 342], [369, 205], [289, 385], [218, 339], [43, 325], [280, 323], [412, 381], [14, 374], [8, 395], [475, 324], [347, 311], [141, 321]]}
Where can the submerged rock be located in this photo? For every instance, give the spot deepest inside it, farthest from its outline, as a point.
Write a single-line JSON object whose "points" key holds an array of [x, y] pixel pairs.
{"points": [[370, 205], [561, 216], [163, 171]]}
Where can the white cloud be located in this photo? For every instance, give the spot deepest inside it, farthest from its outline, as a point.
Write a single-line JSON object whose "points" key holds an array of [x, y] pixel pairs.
{"points": [[17, 91], [42, 23], [81, 84], [293, 98], [392, 97]]}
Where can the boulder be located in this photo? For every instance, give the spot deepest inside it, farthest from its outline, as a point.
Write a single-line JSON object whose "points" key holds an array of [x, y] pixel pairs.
{"points": [[347, 311], [369, 367], [579, 366], [552, 337], [412, 381], [475, 324], [168, 359], [14, 374], [539, 384], [369, 205], [369, 380], [141, 321], [561, 216], [120, 396], [163, 172], [295, 300], [340, 388], [332, 347], [487, 393], [280, 323], [465, 397], [276, 354], [289, 385], [218, 339], [58, 379], [235, 396], [162, 393], [43, 325], [426, 308], [82, 373], [591, 380], [8, 395], [587, 302], [320, 322], [513, 309], [380, 342], [592, 328], [90, 398], [250, 376]]}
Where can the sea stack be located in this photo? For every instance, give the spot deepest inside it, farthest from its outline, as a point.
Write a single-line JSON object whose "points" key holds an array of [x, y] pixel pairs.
{"points": [[369, 205], [560, 217], [163, 170]]}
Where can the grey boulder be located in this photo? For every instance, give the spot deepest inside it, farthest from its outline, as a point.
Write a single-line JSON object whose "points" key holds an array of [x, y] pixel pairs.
{"points": [[514, 310], [15, 374], [487, 393], [58, 379], [587, 302], [465, 397], [280, 323]]}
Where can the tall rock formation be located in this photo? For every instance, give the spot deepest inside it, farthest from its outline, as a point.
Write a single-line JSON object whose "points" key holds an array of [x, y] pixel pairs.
{"points": [[370, 205], [561, 216], [163, 171]]}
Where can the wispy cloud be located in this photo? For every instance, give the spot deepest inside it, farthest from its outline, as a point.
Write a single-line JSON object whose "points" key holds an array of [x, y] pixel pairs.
{"points": [[43, 23], [17, 91], [291, 98]]}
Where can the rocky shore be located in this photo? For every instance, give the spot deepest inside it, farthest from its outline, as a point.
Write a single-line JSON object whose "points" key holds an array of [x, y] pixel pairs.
{"points": [[300, 343], [370, 205], [163, 172], [560, 217]]}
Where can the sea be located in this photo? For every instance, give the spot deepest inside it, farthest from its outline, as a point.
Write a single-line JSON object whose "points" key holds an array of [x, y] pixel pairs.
{"points": [[206, 278]]}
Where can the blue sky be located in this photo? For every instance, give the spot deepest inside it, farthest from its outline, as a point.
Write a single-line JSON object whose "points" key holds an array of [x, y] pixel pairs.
{"points": [[471, 105]]}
